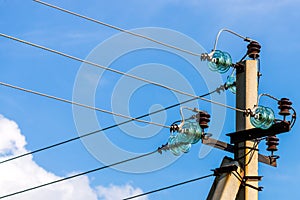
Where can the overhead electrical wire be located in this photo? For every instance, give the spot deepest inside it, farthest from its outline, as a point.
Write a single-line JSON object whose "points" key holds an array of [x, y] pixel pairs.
{"points": [[81, 105], [106, 128], [171, 186], [247, 39], [119, 72], [116, 114], [117, 28], [79, 174]]}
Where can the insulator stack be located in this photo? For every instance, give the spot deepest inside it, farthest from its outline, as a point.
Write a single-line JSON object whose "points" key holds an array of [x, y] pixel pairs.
{"points": [[231, 83], [272, 143], [220, 62], [203, 118], [253, 50], [284, 105], [263, 117], [189, 134]]}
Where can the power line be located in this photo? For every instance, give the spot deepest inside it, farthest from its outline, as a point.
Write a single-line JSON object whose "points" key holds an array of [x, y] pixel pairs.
{"points": [[117, 28], [106, 128], [168, 187], [118, 72], [247, 39], [79, 174], [80, 104]]}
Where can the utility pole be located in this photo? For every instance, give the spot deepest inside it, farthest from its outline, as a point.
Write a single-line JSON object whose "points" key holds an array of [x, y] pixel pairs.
{"points": [[245, 139], [246, 97], [245, 151], [255, 123]]}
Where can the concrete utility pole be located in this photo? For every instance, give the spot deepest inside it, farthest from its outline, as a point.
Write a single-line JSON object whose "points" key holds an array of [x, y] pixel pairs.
{"points": [[246, 97], [227, 185], [244, 142]]}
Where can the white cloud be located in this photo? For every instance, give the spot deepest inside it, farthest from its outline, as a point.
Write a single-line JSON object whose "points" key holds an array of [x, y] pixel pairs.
{"points": [[113, 192], [24, 173], [12, 142]]}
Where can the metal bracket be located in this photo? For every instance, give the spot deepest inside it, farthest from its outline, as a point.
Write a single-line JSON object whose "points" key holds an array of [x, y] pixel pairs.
{"points": [[218, 144], [230, 148], [255, 133], [267, 160], [252, 178], [253, 187], [226, 169]]}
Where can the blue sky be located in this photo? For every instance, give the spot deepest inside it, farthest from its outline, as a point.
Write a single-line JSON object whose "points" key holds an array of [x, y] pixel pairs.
{"points": [[43, 121]]}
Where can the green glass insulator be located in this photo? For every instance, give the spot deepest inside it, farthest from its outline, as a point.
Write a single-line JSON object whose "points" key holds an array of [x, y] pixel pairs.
{"points": [[189, 134], [197, 133], [218, 58], [177, 145], [227, 59], [192, 132], [263, 117], [185, 148], [231, 83], [173, 146], [185, 136], [221, 62], [226, 63]]}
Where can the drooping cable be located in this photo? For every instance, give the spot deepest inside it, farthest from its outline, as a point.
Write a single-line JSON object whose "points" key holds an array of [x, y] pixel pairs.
{"points": [[118, 72], [117, 28], [77, 175], [267, 95], [168, 187], [232, 32], [252, 149], [294, 118], [104, 129]]}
